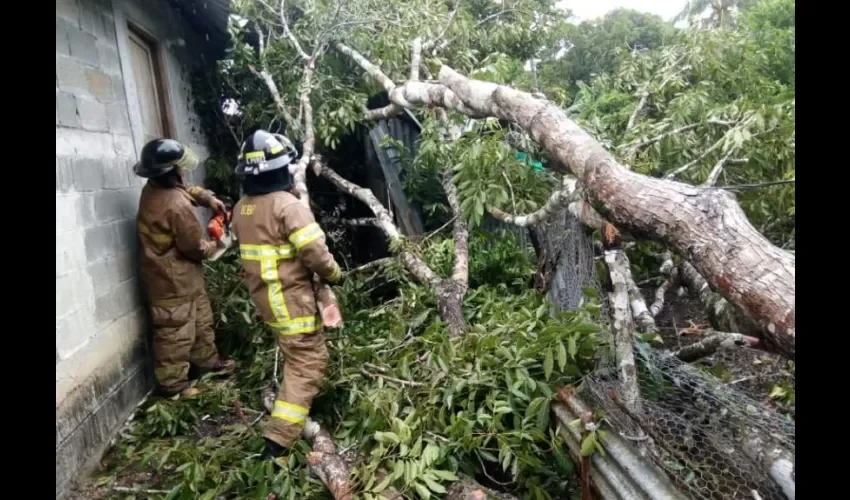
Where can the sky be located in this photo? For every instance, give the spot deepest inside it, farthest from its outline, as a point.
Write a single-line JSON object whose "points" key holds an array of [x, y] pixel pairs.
{"points": [[585, 10]]}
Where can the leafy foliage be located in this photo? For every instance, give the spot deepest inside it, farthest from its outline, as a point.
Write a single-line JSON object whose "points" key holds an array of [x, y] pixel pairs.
{"points": [[398, 393], [714, 95]]}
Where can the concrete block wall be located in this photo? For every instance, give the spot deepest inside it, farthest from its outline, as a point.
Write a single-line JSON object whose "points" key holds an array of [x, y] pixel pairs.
{"points": [[102, 358]]}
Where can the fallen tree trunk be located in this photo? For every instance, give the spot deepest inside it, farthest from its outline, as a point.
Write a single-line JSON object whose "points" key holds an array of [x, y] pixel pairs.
{"points": [[704, 225]]}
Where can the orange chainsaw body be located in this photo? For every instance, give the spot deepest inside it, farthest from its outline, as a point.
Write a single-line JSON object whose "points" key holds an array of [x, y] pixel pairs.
{"points": [[218, 225]]}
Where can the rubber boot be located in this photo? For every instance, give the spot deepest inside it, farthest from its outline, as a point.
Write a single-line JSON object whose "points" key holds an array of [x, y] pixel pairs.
{"points": [[276, 453], [222, 367], [188, 391]]}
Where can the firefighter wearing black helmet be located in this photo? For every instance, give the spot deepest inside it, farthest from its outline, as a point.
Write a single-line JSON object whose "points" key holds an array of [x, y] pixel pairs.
{"points": [[281, 246], [172, 248]]}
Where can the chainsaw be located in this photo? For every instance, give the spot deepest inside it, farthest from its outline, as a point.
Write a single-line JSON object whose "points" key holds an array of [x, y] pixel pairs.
{"points": [[219, 231]]}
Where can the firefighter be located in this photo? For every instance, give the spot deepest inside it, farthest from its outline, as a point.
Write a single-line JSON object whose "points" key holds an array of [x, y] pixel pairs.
{"points": [[172, 248], [281, 246]]}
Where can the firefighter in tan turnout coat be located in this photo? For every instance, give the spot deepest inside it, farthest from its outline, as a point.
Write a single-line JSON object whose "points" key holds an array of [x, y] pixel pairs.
{"points": [[172, 248], [281, 246]]}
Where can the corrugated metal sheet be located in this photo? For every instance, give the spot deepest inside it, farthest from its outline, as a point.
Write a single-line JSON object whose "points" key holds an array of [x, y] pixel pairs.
{"points": [[390, 162], [208, 18]]}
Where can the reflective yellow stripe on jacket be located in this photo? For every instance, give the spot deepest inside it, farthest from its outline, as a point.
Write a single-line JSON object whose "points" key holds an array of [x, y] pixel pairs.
{"points": [[306, 235], [162, 238], [268, 257]]}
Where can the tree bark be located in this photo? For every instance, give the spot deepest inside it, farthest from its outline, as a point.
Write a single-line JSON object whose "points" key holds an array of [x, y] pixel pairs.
{"points": [[326, 463], [721, 314], [710, 344], [450, 306], [623, 327], [468, 489], [705, 226]]}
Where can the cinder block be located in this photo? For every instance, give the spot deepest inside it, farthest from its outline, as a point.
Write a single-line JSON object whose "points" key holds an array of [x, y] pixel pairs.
{"points": [[68, 298], [115, 173], [92, 114], [83, 46], [108, 34], [70, 74], [119, 122], [115, 204], [66, 212], [64, 175], [66, 110], [73, 331], [85, 210], [91, 19], [117, 82], [108, 272], [126, 235], [124, 147], [68, 10], [80, 449], [98, 84], [88, 174], [70, 252], [117, 301], [63, 46], [129, 203], [100, 242], [108, 58]]}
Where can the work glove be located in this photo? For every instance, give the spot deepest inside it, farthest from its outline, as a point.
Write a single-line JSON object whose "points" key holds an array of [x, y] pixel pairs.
{"points": [[332, 316]]}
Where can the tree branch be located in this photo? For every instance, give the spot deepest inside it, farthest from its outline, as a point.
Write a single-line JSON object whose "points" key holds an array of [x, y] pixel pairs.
{"points": [[299, 169], [415, 58], [760, 280], [714, 341], [623, 328], [326, 463], [362, 222], [695, 161], [432, 43], [376, 73], [634, 147], [289, 34], [460, 270], [717, 170], [414, 264]]}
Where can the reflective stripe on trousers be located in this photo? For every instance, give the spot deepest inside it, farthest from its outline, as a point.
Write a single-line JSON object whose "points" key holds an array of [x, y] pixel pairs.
{"points": [[289, 412]]}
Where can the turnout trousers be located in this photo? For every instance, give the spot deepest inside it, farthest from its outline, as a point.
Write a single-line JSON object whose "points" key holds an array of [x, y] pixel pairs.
{"points": [[305, 358], [183, 336]]}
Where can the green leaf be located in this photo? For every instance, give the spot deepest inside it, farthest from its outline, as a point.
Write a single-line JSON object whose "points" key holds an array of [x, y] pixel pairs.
{"points": [[562, 354], [434, 486], [548, 361], [588, 444], [423, 491], [445, 475], [573, 348], [382, 485], [419, 319]]}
